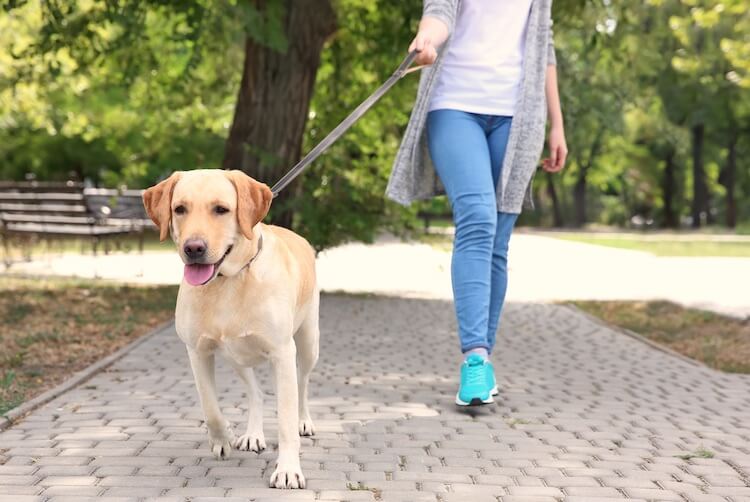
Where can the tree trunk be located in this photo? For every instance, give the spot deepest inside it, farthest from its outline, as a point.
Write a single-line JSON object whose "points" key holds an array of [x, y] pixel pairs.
{"points": [[700, 189], [668, 191], [728, 178], [265, 139], [579, 198], [557, 218]]}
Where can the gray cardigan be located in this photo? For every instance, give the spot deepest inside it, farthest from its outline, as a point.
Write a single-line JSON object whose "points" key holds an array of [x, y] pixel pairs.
{"points": [[413, 176]]}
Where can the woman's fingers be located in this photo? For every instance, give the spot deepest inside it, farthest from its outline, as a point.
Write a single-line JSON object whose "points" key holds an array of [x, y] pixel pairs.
{"points": [[553, 157], [561, 156], [554, 166], [427, 55], [426, 51]]}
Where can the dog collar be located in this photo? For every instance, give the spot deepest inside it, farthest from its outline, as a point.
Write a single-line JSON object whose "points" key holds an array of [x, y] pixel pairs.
{"points": [[260, 247]]}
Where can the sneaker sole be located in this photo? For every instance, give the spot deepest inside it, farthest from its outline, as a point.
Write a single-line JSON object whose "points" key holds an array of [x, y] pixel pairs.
{"points": [[495, 391], [474, 402]]}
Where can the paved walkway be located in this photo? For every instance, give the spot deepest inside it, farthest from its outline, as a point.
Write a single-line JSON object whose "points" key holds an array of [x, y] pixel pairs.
{"points": [[542, 269], [585, 414]]}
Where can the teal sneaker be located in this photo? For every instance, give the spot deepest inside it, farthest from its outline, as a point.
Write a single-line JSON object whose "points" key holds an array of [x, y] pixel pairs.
{"points": [[473, 390], [491, 382]]}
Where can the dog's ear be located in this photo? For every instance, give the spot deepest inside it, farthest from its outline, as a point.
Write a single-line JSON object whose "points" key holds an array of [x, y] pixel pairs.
{"points": [[253, 201], [158, 201]]}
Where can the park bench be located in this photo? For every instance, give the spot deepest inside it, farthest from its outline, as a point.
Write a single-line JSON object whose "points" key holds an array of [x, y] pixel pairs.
{"points": [[118, 208], [32, 210]]}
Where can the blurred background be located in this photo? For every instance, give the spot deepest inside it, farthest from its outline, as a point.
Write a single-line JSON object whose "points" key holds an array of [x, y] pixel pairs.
{"points": [[656, 97]]}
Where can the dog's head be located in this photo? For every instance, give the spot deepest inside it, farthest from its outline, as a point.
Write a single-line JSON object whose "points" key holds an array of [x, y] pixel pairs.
{"points": [[209, 213]]}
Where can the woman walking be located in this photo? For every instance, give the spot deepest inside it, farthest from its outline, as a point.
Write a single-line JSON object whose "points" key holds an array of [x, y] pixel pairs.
{"points": [[476, 133]]}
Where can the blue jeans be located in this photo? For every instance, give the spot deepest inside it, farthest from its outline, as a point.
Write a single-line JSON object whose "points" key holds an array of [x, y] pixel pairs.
{"points": [[467, 150]]}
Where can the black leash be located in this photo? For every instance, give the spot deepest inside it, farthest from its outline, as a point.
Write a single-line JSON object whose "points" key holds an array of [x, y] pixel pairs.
{"points": [[340, 129]]}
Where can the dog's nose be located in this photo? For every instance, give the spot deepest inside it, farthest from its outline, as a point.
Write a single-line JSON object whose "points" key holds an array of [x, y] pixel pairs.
{"points": [[195, 249]]}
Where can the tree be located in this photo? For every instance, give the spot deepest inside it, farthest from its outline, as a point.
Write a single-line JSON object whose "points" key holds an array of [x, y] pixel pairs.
{"points": [[266, 136], [591, 91], [700, 81]]}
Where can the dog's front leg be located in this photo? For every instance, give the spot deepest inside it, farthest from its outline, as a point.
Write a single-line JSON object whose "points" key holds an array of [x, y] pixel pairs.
{"points": [[288, 473], [220, 436], [253, 438]]}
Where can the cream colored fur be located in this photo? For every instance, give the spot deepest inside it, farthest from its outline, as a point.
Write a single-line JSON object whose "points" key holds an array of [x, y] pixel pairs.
{"points": [[265, 312]]}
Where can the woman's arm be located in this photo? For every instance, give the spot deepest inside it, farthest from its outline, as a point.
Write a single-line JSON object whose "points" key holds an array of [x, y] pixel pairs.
{"points": [[437, 21], [432, 34], [558, 149]]}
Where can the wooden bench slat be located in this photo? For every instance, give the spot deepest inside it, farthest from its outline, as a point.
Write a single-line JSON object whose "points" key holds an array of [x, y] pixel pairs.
{"points": [[41, 186], [40, 197], [128, 222], [78, 230], [47, 218], [46, 208]]}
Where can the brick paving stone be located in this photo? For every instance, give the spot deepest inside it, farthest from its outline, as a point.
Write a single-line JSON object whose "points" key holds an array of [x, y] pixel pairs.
{"points": [[143, 481], [593, 492], [133, 491], [547, 491], [529, 498], [461, 497], [585, 413], [351, 495], [213, 491], [11, 479], [620, 498], [654, 494], [78, 498], [570, 481], [68, 481], [15, 470], [21, 490], [81, 491]]}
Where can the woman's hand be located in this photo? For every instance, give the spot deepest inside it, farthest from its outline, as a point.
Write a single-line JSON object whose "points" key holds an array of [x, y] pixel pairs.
{"points": [[558, 150], [431, 35]]}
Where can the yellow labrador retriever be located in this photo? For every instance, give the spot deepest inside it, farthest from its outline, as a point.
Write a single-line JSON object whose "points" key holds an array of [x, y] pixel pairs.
{"points": [[249, 292]]}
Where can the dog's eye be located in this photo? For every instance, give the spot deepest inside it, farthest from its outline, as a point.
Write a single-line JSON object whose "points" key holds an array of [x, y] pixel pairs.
{"points": [[180, 210], [221, 210]]}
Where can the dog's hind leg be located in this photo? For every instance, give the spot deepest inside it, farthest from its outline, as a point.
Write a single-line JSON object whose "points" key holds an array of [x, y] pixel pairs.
{"points": [[307, 340], [220, 435], [253, 438]]}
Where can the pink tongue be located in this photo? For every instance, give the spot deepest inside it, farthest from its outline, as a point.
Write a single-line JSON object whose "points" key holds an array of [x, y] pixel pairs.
{"points": [[197, 274]]}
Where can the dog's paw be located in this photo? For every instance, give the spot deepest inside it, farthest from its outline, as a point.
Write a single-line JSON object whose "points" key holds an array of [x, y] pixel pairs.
{"points": [[221, 447], [221, 443], [287, 477], [306, 427], [250, 442]]}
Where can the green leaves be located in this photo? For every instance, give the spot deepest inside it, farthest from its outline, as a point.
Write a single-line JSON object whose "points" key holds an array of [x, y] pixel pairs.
{"points": [[265, 26], [124, 92]]}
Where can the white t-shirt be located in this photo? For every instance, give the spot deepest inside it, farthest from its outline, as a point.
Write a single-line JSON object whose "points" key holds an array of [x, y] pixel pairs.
{"points": [[482, 67]]}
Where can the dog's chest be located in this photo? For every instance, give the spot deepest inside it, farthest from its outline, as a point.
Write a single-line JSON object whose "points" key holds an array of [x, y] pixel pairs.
{"points": [[248, 349], [242, 334]]}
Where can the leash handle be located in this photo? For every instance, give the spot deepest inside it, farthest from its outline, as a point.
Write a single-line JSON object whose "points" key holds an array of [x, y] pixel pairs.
{"points": [[340, 129]]}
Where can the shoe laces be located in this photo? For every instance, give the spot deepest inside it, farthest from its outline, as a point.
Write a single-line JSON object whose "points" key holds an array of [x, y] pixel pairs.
{"points": [[475, 374]]}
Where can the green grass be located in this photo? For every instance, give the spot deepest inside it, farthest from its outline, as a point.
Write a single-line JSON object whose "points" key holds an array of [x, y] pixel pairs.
{"points": [[10, 397], [664, 246], [715, 340], [699, 453], [51, 328]]}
